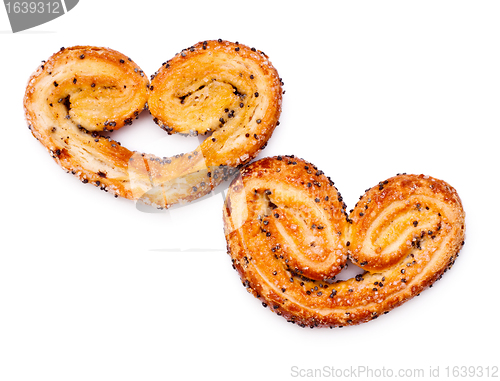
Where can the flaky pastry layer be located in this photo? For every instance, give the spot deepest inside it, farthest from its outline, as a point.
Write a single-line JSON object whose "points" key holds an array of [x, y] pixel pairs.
{"points": [[289, 234], [81, 94]]}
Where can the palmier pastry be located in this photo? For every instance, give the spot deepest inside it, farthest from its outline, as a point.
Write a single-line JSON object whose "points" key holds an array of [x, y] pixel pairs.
{"points": [[227, 90], [288, 234]]}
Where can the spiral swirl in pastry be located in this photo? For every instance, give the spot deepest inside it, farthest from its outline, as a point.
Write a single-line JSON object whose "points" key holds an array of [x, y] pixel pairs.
{"points": [[220, 88], [288, 234], [216, 87]]}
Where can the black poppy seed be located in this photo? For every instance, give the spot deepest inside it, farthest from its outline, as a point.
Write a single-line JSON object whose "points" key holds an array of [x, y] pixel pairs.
{"points": [[415, 223], [92, 85], [317, 199], [259, 121]]}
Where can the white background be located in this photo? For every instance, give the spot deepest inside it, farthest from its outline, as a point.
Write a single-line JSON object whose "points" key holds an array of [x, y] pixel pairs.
{"points": [[91, 288]]}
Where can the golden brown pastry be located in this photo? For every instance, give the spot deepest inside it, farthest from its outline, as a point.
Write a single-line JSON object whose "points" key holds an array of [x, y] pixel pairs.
{"points": [[288, 234], [84, 92], [223, 89]]}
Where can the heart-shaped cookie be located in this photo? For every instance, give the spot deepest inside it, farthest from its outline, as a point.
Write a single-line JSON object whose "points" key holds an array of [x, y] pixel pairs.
{"points": [[226, 91], [289, 235]]}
